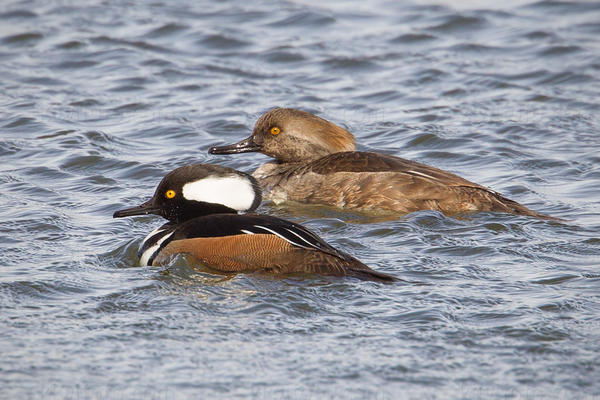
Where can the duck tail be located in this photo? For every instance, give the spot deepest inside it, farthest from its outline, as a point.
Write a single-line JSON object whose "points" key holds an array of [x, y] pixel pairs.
{"points": [[512, 207], [372, 275]]}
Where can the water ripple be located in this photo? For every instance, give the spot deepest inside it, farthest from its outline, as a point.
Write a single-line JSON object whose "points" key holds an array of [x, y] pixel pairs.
{"points": [[100, 100], [459, 23], [27, 38]]}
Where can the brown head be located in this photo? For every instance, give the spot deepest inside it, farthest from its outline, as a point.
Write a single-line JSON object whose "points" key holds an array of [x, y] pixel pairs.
{"points": [[291, 135]]}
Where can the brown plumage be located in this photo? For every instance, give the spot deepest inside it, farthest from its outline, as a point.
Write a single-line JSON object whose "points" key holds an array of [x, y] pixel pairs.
{"points": [[265, 253], [304, 136], [317, 164], [370, 181]]}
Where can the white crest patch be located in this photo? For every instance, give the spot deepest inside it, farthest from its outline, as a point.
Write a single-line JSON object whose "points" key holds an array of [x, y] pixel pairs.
{"points": [[233, 191]]}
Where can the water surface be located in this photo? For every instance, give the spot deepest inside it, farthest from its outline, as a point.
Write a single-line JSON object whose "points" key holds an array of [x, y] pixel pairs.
{"points": [[100, 100]]}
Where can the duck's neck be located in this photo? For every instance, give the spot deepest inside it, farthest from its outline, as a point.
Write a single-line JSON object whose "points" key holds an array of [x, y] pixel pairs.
{"points": [[272, 172], [201, 209]]}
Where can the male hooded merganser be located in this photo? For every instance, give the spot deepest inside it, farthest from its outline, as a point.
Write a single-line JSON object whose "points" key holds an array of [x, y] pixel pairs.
{"points": [[317, 163], [201, 202]]}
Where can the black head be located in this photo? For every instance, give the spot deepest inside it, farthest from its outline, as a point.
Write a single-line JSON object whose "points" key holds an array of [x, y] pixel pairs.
{"points": [[199, 189]]}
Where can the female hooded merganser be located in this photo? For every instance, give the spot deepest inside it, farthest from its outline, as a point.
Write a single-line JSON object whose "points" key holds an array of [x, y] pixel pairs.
{"points": [[201, 203], [317, 162]]}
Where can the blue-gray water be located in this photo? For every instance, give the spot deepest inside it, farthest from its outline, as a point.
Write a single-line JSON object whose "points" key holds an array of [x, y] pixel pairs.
{"points": [[99, 101]]}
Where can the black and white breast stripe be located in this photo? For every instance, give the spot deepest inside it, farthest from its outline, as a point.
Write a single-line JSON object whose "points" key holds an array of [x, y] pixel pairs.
{"points": [[154, 243], [220, 225]]}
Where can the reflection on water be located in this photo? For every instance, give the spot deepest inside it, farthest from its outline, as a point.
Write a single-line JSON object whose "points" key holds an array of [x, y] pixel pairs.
{"points": [[100, 100]]}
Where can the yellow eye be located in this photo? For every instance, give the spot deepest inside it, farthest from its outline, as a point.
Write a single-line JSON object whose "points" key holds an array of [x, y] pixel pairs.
{"points": [[170, 194], [275, 130]]}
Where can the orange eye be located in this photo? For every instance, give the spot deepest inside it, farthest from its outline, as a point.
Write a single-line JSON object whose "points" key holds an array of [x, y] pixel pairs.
{"points": [[275, 130], [170, 194]]}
